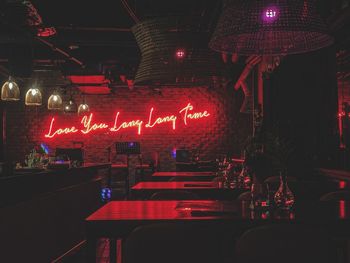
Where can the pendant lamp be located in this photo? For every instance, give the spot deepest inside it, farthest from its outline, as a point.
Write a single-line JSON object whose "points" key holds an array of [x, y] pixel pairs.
{"points": [[270, 27], [70, 106], [33, 97], [83, 108], [54, 102], [173, 50], [10, 91]]}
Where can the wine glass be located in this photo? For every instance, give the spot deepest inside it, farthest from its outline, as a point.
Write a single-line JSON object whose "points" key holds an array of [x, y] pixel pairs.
{"points": [[260, 195]]}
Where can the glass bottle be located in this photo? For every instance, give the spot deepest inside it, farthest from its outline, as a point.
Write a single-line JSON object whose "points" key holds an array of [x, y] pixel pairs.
{"points": [[244, 178], [260, 195], [284, 198]]}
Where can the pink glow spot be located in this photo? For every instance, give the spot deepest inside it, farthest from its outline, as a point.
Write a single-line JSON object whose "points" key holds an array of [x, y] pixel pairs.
{"points": [[180, 53], [270, 14]]}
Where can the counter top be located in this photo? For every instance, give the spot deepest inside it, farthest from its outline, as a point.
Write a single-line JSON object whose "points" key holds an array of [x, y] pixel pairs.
{"points": [[25, 185], [25, 171]]}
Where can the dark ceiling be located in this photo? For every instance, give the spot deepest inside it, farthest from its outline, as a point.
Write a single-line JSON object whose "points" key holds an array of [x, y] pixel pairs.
{"points": [[97, 33]]}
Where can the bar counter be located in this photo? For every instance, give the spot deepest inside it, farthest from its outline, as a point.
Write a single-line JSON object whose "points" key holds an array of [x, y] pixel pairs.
{"points": [[42, 212], [27, 183]]}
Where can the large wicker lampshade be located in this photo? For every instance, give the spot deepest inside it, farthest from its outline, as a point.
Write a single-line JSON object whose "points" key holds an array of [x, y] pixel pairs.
{"points": [[173, 50], [270, 27]]}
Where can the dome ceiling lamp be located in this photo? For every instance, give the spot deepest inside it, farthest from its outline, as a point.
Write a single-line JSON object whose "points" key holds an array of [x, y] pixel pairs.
{"points": [[33, 97], [71, 106], [83, 108], [265, 27], [10, 90], [54, 102]]}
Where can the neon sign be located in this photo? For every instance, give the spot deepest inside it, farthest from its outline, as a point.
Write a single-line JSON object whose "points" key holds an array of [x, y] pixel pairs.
{"points": [[88, 124]]}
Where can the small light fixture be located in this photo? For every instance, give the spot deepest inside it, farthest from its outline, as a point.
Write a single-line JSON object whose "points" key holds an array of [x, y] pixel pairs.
{"points": [[70, 106], [270, 14], [33, 97], [54, 102], [83, 108], [180, 53], [10, 91]]}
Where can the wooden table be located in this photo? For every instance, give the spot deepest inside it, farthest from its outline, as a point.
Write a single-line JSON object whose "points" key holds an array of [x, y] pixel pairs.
{"points": [[118, 218], [204, 189], [195, 176]]}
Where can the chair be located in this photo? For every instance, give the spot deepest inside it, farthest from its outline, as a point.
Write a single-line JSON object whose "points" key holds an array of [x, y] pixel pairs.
{"points": [[274, 182], [287, 243], [173, 243], [276, 179], [206, 166], [246, 196], [218, 179], [187, 179], [174, 195], [148, 164], [336, 196]]}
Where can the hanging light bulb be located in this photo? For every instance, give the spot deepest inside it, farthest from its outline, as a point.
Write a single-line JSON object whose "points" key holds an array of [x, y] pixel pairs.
{"points": [[83, 108], [70, 106], [33, 97], [10, 91], [54, 102]]}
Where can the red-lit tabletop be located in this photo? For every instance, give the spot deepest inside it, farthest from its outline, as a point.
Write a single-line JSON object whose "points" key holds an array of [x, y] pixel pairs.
{"points": [[118, 218], [203, 176], [204, 189], [176, 185]]}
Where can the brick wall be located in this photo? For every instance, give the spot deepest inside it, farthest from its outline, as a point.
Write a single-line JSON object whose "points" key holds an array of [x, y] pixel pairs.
{"points": [[225, 130]]}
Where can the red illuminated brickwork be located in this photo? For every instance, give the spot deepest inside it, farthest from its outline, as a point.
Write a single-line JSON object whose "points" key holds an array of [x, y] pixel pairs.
{"points": [[222, 128]]}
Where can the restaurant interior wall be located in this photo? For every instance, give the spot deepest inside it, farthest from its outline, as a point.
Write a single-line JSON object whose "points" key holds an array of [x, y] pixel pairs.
{"points": [[224, 131]]}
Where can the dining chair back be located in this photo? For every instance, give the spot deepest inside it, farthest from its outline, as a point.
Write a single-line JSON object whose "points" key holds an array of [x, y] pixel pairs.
{"points": [[245, 196], [287, 243], [173, 243], [336, 196], [174, 195]]}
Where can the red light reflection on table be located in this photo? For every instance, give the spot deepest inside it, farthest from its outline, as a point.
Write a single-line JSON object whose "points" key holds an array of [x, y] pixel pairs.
{"points": [[342, 209]]}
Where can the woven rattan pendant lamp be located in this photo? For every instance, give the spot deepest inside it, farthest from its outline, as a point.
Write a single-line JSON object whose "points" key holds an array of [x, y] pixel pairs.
{"points": [[173, 50], [270, 27]]}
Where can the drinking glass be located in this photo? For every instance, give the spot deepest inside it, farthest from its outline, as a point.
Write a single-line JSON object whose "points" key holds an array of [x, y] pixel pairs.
{"points": [[260, 196]]}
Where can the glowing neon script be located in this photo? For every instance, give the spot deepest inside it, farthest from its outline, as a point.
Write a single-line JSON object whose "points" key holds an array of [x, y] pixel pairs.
{"points": [[89, 125], [125, 125], [196, 115], [171, 118], [51, 134]]}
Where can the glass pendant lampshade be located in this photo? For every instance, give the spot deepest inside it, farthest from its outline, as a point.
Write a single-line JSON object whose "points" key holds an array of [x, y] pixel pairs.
{"points": [[270, 27], [10, 91], [70, 106], [33, 97], [54, 102], [83, 108]]}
